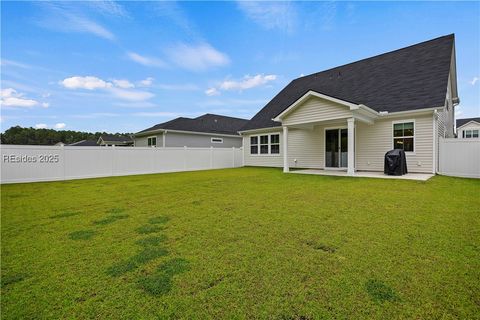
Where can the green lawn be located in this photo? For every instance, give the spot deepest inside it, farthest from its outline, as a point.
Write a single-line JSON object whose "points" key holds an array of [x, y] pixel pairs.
{"points": [[241, 243]]}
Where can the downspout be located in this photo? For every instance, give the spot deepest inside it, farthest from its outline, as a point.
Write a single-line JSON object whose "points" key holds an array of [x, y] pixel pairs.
{"points": [[164, 138]]}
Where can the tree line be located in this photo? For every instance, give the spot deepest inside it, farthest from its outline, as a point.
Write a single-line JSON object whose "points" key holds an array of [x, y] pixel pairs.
{"points": [[32, 136]]}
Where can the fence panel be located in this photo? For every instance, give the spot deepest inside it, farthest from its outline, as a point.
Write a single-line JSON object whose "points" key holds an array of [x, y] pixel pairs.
{"points": [[49, 163], [459, 157]]}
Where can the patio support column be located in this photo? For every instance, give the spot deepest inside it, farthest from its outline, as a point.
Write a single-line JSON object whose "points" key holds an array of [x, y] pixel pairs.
{"points": [[285, 149], [351, 144]]}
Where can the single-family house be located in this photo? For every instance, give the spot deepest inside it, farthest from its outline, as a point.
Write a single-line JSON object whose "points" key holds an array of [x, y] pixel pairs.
{"points": [[115, 140], [208, 130], [348, 117], [468, 128], [85, 143]]}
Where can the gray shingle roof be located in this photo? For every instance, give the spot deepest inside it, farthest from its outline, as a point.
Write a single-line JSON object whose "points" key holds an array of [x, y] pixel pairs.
{"points": [[410, 78], [116, 138], [85, 143], [208, 123], [461, 122]]}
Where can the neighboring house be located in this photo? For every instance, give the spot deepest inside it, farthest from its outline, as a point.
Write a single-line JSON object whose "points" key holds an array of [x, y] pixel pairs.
{"points": [[85, 143], [115, 140], [468, 128], [348, 117], [209, 130]]}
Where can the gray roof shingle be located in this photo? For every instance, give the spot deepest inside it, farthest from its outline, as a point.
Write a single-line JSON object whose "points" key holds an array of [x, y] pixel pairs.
{"points": [[410, 78], [461, 122], [116, 138], [208, 123]]}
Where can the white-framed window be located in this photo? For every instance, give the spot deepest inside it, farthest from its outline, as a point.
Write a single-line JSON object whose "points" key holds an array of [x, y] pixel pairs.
{"points": [[216, 140], [152, 141], [471, 133], [404, 135], [265, 144]]}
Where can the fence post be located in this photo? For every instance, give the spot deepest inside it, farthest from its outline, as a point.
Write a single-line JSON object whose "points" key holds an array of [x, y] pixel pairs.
{"points": [[113, 160], [233, 157], [63, 156], [211, 157], [185, 158]]}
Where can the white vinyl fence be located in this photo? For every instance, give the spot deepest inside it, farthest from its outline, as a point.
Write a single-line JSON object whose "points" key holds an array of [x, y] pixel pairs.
{"points": [[459, 157], [49, 163]]}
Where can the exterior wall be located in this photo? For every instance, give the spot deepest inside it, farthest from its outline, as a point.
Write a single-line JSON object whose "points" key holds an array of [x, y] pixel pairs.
{"points": [[469, 126], [142, 141], [176, 139], [263, 160], [316, 109], [307, 146], [372, 141]]}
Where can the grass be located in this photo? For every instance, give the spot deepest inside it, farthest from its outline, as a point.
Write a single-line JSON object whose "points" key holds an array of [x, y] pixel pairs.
{"points": [[241, 243]]}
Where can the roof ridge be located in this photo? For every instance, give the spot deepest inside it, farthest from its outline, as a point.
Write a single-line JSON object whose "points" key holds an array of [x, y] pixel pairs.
{"points": [[451, 35], [219, 115]]}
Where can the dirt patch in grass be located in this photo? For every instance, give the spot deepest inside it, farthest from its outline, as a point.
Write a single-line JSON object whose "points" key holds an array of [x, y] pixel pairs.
{"points": [[65, 214], [161, 281], [82, 235], [146, 229], [379, 291], [111, 219]]}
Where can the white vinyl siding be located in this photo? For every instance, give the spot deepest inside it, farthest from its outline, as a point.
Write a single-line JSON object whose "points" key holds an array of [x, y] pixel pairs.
{"points": [[316, 109], [374, 140], [262, 160]]}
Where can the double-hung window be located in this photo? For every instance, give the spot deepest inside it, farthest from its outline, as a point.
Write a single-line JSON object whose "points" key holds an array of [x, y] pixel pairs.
{"points": [[152, 141], [404, 136], [470, 133], [265, 144]]}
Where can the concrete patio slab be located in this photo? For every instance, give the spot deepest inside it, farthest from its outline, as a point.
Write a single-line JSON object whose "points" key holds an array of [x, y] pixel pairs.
{"points": [[365, 174]]}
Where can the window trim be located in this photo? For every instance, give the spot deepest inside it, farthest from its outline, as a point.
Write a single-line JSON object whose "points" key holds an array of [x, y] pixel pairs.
{"points": [[216, 138], [414, 135], [152, 146], [269, 154], [471, 131]]}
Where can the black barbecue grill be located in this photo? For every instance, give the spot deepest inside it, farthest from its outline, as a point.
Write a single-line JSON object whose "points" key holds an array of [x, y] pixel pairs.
{"points": [[395, 163]]}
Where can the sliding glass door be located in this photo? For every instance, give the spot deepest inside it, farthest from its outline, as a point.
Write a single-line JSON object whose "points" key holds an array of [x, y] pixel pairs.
{"points": [[336, 148]]}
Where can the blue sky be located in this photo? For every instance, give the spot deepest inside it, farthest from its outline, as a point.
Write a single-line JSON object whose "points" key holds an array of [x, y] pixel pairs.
{"points": [[124, 66]]}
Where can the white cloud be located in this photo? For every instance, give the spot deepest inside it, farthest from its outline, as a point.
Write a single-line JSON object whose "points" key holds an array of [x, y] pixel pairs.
{"points": [[146, 82], [247, 82], [5, 63], [146, 61], [41, 126], [68, 17], [271, 15], [474, 80], [60, 125], [107, 7], [11, 98], [212, 92], [124, 84], [197, 57], [88, 82], [45, 104], [119, 88], [178, 87], [132, 95]]}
